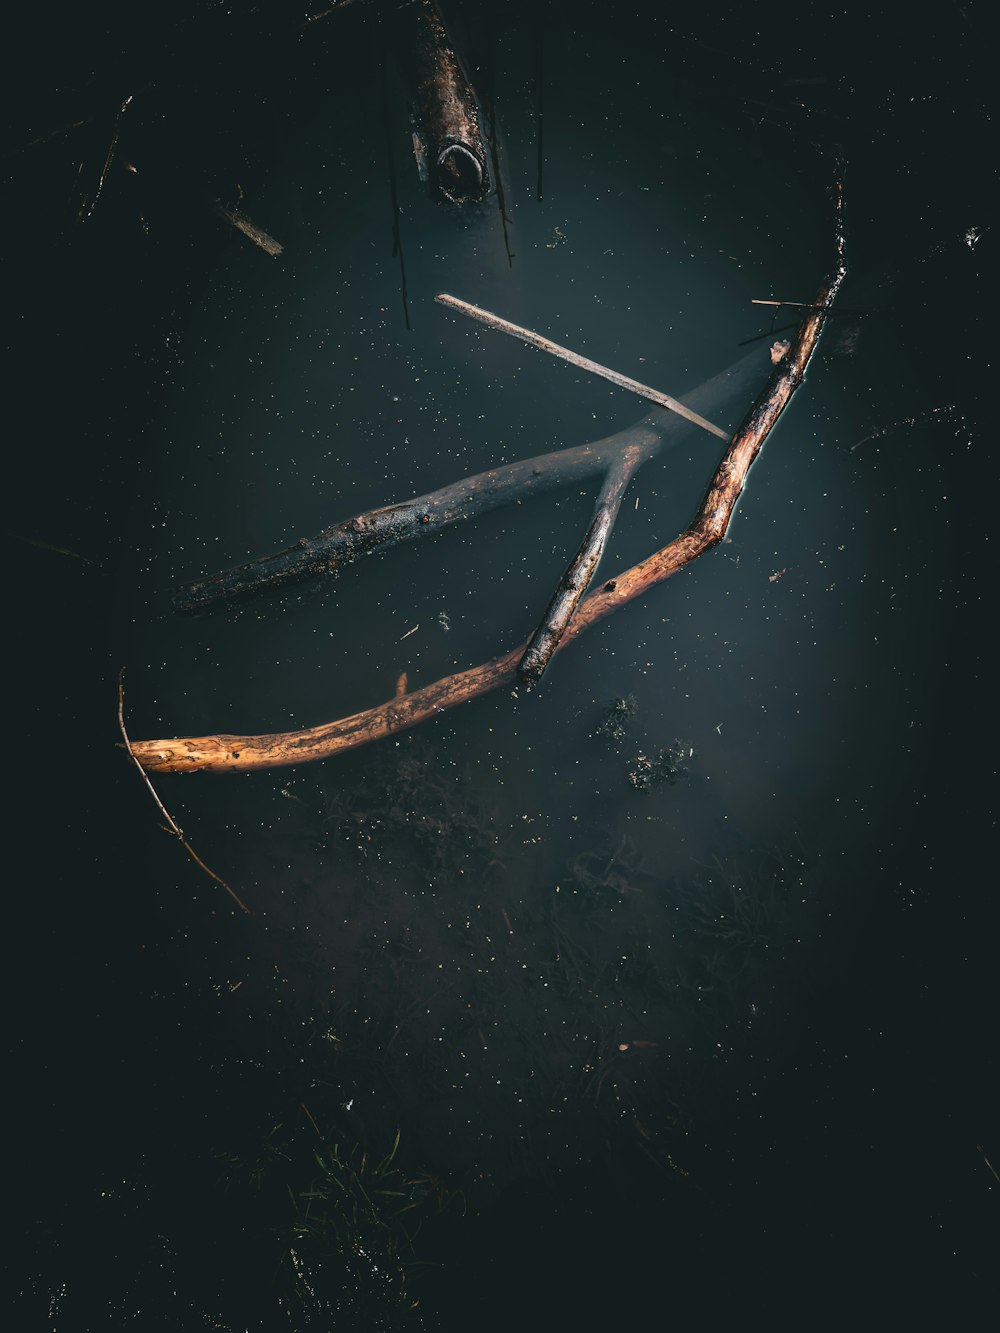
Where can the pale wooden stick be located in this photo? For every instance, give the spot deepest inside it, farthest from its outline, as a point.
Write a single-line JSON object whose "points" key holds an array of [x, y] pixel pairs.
{"points": [[584, 363], [576, 580]]}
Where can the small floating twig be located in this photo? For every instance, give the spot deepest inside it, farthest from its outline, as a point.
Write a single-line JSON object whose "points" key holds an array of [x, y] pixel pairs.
{"points": [[582, 362]]}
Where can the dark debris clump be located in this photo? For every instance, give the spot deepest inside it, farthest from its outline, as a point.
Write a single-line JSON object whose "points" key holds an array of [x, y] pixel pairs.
{"points": [[618, 718], [668, 765]]}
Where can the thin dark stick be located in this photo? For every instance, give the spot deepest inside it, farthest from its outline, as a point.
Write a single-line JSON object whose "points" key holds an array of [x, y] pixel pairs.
{"points": [[397, 239], [540, 102], [576, 580], [171, 824]]}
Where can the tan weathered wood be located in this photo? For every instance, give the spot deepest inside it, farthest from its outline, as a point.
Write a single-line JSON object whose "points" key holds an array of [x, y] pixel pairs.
{"points": [[708, 527]]}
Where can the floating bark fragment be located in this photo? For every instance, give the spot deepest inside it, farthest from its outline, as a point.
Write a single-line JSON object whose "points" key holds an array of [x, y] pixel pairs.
{"points": [[578, 576], [945, 410], [330, 9], [57, 550], [449, 147], [250, 229], [170, 824], [87, 206]]}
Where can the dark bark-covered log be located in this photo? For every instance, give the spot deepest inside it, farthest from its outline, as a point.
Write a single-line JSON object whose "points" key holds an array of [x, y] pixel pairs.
{"points": [[250, 229], [390, 525], [451, 154], [575, 582]]}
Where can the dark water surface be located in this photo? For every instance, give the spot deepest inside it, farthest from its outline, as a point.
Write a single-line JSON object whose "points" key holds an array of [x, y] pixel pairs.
{"points": [[506, 1036]]}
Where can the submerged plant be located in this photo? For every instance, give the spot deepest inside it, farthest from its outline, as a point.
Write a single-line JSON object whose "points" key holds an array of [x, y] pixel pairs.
{"points": [[618, 718], [364, 1214], [356, 1206]]}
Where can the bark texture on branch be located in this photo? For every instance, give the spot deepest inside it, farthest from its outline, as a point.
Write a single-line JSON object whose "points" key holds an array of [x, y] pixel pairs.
{"points": [[576, 580], [708, 527], [533, 339], [390, 525]]}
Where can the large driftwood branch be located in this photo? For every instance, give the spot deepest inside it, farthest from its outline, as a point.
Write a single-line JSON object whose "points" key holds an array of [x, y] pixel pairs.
{"points": [[390, 525], [708, 527]]}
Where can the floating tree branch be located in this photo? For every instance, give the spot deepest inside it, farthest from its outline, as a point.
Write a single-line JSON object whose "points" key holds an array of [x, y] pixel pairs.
{"points": [[707, 529], [337, 546], [250, 229]]}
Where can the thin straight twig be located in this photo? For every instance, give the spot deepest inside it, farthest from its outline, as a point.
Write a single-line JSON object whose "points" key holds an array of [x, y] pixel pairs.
{"points": [[577, 578], [582, 362], [539, 104], [397, 237], [171, 824], [310, 1117], [992, 1169], [331, 9]]}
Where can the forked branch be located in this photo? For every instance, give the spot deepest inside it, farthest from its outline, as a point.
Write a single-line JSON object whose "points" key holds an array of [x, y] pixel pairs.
{"points": [[707, 528]]}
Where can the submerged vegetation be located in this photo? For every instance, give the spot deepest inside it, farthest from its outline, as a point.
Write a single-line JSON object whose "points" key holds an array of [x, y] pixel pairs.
{"points": [[340, 1222]]}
